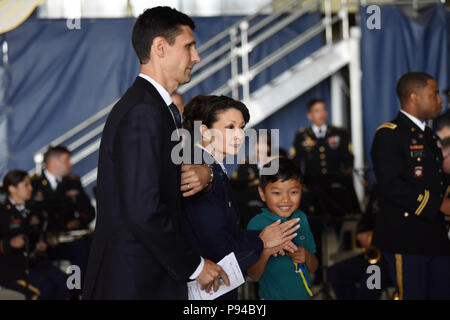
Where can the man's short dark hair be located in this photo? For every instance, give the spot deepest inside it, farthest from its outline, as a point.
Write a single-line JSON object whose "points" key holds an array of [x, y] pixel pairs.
{"points": [[287, 170], [410, 82], [157, 22], [313, 102], [53, 152]]}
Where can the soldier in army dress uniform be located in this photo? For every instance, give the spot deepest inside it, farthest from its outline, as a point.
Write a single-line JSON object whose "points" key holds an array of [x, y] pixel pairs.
{"points": [[61, 197], [324, 154], [24, 266], [410, 227]]}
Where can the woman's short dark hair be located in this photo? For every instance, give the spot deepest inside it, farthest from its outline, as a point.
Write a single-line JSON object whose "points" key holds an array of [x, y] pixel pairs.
{"points": [[206, 108], [13, 178], [157, 22], [286, 170]]}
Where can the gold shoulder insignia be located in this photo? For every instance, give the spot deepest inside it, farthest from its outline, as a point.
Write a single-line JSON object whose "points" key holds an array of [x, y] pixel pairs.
{"points": [[388, 125], [292, 152], [36, 176]]}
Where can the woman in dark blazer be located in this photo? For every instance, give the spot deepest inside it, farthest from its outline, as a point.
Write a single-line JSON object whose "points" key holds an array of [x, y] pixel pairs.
{"points": [[211, 220]]}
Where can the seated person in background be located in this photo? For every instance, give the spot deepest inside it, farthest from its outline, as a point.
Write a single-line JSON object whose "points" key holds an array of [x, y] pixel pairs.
{"points": [[61, 193], [348, 278], [245, 180], [24, 266], [284, 277], [60, 196], [210, 218]]}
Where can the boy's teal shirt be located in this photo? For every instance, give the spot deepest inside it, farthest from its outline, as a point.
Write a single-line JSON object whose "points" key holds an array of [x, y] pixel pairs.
{"points": [[279, 280]]}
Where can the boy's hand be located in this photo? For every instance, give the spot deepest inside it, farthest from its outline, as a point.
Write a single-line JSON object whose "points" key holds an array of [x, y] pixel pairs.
{"points": [[299, 256], [288, 246]]}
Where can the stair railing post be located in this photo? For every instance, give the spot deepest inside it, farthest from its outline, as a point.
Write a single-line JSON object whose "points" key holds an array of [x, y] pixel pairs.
{"points": [[245, 50], [233, 83], [329, 26], [344, 16]]}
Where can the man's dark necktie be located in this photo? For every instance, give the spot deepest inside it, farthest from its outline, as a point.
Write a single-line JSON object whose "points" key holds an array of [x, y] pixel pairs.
{"points": [[176, 114]]}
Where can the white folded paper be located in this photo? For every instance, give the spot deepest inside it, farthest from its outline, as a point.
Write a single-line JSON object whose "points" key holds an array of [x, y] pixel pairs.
{"points": [[230, 265]]}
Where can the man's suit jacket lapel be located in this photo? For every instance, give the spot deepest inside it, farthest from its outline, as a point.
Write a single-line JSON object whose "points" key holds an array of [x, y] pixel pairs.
{"points": [[141, 82]]}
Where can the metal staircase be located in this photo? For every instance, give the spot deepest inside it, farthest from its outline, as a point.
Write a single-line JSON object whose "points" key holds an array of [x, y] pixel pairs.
{"points": [[234, 45]]}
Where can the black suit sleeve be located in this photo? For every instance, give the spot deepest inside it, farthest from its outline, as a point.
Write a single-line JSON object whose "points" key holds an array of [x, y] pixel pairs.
{"points": [[389, 167], [139, 167]]}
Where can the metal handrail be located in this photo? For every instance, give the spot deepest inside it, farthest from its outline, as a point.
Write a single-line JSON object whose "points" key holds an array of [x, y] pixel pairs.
{"points": [[77, 129], [222, 35], [252, 44]]}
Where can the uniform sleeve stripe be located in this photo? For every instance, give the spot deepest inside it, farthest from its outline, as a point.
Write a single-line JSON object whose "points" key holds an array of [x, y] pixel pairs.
{"points": [[424, 202]]}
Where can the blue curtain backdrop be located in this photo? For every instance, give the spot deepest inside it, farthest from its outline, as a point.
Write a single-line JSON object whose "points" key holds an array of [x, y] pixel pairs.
{"points": [[400, 46], [60, 77]]}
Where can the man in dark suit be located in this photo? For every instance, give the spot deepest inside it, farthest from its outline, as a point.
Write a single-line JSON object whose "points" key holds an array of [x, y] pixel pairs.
{"points": [[138, 250], [410, 227]]}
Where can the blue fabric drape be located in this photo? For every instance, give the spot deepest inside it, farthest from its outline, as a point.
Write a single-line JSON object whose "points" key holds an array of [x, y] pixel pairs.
{"points": [[400, 46]]}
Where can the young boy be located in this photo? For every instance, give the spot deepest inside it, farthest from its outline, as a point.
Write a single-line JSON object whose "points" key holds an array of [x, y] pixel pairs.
{"points": [[284, 276]]}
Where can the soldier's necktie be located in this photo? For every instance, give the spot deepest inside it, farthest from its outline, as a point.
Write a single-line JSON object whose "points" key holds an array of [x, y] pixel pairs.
{"points": [[176, 114]]}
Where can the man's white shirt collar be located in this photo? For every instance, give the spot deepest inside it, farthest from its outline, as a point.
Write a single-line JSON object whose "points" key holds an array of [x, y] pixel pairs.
{"points": [[51, 179], [19, 207], [416, 121], [162, 92], [322, 128]]}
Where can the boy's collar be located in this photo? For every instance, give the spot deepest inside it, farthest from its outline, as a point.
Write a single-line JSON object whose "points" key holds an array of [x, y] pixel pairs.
{"points": [[266, 212]]}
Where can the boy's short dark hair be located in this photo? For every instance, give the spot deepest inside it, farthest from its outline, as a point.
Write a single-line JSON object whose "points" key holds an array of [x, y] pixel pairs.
{"points": [[55, 152], [286, 170], [157, 22]]}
